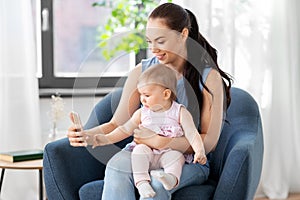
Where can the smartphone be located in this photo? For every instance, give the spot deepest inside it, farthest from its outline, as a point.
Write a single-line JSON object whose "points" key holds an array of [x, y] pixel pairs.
{"points": [[77, 121]]}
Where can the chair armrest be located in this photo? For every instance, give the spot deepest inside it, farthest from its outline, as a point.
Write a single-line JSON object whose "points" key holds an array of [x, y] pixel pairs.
{"points": [[242, 169], [67, 168]]}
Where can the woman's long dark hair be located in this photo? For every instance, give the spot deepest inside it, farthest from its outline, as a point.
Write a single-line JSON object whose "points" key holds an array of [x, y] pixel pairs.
{"points": [[199, 57]]}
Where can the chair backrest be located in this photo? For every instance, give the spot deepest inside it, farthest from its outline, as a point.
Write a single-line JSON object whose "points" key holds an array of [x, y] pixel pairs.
{"points": [[243, 117]]}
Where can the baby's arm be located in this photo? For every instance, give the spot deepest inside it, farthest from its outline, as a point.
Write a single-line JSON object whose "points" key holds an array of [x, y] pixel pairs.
{"points": [[119, 133], [192, 135]]}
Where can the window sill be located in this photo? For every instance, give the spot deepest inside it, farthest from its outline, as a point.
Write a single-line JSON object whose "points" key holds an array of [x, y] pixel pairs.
{"points": [[70, 92]]}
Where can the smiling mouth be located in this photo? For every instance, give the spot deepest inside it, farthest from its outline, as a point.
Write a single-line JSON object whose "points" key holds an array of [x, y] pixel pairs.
{"points": [[160, 57]]}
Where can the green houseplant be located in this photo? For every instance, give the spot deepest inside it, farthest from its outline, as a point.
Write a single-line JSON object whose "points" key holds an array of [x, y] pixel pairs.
{"points": [[130, 16]]}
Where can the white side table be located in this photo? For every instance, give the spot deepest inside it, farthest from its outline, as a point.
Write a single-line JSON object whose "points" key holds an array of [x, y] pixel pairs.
{"points": [[24, 165]]}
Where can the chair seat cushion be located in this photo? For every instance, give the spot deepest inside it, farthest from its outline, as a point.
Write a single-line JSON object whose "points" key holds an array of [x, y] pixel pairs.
{"points": [[196, 192], [93, 190]]}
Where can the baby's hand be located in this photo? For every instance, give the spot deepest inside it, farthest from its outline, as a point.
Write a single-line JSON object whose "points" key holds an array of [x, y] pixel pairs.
{"points": [[200, 157], [88, 137], [100, 140]]}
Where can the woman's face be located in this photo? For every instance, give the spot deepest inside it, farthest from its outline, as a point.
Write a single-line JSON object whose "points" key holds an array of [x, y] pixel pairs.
{"points": [[166, 44]]}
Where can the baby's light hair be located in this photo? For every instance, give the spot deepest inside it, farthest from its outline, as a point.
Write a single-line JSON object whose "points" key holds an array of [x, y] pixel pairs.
{"points": [[162, 75]]}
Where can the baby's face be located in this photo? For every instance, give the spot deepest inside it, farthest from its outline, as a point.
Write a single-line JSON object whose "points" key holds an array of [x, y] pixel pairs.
{"points": [[152, 96]]}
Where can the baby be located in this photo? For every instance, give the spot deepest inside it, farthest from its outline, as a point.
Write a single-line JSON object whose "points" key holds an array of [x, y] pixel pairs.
{"points": [[164, 116]]}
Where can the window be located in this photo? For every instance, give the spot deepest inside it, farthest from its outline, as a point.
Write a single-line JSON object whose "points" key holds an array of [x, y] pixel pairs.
{"points": [[70, 56]]}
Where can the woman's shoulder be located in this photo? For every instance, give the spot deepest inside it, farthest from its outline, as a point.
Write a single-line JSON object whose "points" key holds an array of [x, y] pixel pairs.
{"points": [[135, 72], [209, 74], [146, 63], [213, 77]]}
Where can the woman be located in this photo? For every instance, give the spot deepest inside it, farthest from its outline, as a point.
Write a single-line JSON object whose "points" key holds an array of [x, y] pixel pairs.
{"points": [[174, 39]]}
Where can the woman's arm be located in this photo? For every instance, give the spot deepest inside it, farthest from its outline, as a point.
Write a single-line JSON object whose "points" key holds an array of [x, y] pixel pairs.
{"points": [[130, 99], [213, 109], [146, 136], [129, 103]]}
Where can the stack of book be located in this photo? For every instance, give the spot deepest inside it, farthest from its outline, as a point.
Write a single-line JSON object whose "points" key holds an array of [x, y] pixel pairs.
{"points": [[23, 155]]}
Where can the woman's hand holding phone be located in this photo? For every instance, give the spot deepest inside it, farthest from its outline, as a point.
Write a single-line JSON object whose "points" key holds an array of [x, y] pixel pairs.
{"points": [[75, 131]]}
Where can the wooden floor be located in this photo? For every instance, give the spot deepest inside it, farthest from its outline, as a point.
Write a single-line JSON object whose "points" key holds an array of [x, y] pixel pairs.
{"points": [[291, 197]]}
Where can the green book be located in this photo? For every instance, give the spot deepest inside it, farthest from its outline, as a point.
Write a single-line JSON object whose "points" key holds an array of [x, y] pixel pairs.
{"points": [[23, 155]]}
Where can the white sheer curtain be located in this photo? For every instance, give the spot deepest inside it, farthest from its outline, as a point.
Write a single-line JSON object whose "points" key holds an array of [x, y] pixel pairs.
{"points": [[282, 154], [19, 103], [258, 43]]}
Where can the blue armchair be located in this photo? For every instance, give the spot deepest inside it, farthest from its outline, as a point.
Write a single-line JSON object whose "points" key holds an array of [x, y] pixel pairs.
{"points": [[73, 173]]}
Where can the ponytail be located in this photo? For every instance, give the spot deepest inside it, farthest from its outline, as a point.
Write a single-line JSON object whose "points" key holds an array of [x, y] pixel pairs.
{"points": [[211, 59]]}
